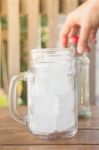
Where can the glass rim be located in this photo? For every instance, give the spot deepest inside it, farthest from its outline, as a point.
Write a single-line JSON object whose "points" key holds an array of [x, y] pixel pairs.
{"points": [[52, 51], [49, 49]]}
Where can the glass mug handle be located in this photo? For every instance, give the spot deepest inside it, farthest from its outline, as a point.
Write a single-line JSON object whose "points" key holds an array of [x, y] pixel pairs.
{"points": [[12, 96]]}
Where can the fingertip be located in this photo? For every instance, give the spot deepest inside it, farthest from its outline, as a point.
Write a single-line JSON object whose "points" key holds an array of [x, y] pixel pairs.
{"points": [[65, 31], [84, 38], [63, 39], [63, 42], [82, 49]]}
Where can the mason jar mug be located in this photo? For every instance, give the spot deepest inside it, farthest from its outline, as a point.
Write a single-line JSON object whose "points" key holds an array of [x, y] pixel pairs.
{"points": [[51, 94]]}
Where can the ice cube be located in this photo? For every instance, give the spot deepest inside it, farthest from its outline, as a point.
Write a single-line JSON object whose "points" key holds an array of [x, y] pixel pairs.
{"points": [[60, 84], [65, 121], [67, 101], [45, 113], [65, 117], [43, 124], [51, 97]]}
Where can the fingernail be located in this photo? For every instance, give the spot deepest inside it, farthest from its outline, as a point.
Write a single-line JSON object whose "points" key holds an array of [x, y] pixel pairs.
{"points": [[80, 49]]}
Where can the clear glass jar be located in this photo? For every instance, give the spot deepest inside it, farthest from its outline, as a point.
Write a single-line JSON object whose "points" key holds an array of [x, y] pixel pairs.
{"points": [[82, 64], [52, 94]]}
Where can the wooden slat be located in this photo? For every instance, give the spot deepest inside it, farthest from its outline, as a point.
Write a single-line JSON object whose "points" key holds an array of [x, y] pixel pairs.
{"points": [[13, 37], [33, 23], [82, 1], [23, 7], [3, 61], [51, 9], [4, 33], [44, 7], [51, 147], [4, 69], [4, 7], [52, 22], [0, 52], [67, 6], [22, 136], [0, 7]]}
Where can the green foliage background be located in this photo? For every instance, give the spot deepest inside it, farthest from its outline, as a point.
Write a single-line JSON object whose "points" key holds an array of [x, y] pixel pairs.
{"points": [[23, 52]]}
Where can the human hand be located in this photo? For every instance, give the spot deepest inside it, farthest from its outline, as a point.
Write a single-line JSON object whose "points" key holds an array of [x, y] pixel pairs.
{"points": [[85, 20]]}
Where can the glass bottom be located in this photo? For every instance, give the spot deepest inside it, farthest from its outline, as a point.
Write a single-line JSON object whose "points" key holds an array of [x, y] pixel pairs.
{"points": [[56, 135]]}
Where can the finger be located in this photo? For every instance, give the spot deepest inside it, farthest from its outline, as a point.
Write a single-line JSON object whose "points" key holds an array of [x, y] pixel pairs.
{"points": [[83, 39], [65, 31], [93, 36], [71, 21], [74, 31], [64, 35], [94, 40]]}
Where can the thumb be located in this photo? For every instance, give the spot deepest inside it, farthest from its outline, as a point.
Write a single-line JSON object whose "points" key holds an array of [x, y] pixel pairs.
{"points": [[83, 39]]}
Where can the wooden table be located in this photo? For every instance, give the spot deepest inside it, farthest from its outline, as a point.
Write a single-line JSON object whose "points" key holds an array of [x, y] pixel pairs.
{"points": [[15, 136]]}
